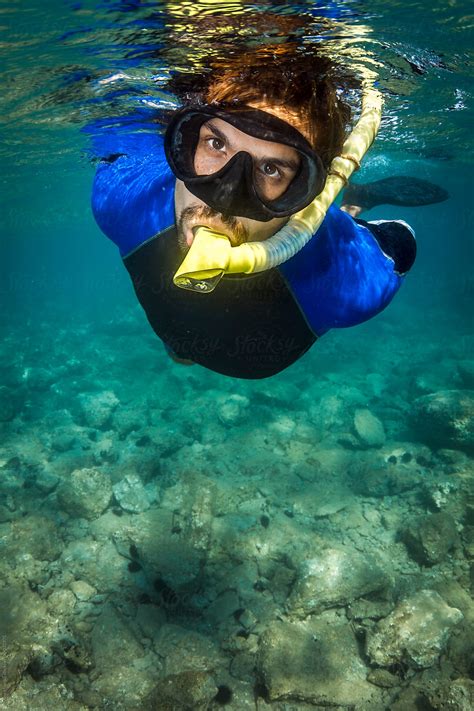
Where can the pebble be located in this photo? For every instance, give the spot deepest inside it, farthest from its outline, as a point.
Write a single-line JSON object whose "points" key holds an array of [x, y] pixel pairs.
{"points": [[369, 428], [82, 590]]}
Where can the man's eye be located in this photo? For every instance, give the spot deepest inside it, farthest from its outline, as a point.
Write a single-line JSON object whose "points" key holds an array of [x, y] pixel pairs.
{"points": [[215, 143], [270, 170]]}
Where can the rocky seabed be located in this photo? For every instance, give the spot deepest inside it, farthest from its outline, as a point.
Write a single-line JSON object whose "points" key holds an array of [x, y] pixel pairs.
{"points": [[172, 540]]}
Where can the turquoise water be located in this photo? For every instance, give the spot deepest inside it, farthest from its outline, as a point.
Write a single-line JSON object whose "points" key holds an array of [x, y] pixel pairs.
{"points": [[231, 543]]}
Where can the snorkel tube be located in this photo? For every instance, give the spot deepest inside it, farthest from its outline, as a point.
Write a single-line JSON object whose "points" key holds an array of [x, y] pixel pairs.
{"points": [[211, 255]]}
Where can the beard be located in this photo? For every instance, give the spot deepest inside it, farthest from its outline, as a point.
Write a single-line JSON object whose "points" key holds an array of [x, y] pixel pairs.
{"points": [[203, 215]]}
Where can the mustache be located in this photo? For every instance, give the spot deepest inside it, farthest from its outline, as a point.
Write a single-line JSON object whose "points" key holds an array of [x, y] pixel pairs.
{"points": [[202, 213]]}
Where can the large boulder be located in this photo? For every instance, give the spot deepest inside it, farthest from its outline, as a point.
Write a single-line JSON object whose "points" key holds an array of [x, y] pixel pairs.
{"points": [[335, 577], [415, 633], [445, 419], [302, 662]]}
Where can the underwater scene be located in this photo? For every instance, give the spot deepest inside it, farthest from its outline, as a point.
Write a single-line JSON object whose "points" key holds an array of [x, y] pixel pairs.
{"points": [[279, 521]]}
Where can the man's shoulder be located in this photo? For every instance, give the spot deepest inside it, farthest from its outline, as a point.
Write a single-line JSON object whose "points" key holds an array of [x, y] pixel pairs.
{"points": [[133, 196]]}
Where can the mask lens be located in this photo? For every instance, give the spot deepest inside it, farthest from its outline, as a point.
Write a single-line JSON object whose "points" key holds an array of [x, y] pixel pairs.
{"points": [[245, 162], [212, 150], [275, 165]]}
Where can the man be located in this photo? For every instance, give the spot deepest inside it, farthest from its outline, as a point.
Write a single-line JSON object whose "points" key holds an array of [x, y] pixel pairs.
{"points": [[250, 148]]}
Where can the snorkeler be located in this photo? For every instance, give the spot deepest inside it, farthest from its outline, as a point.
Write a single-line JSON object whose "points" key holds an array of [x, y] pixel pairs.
{"points": [[251, 147]]}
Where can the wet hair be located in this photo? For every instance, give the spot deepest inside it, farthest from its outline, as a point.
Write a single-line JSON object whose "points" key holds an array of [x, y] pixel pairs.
{"points": [[303, 81]]}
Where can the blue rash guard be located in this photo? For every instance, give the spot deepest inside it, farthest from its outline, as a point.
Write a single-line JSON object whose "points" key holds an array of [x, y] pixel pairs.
{"points": [[250, 326]]}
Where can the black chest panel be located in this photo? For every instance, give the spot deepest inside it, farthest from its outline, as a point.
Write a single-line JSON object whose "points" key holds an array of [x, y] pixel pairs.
{"points": [[249, 327]]}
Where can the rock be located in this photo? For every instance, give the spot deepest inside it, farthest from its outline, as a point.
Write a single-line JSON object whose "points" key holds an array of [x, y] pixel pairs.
{"points": [[336, 577], [150, 619], [223, 607], [232, 409], [242, 666], [369, 428], [37, 378], [123, 686], [185, 650], [438, 494], [247, 619], [186, 691], [415, 633], [460, 649], [63, 439], [33, 535], [97, 408], [174, 541], [442, 694], [283, 425], [429, 538], [369, 609], [61, 603], [85, 494], [445, 419], [126, 420], [14, 659], [131, 495], [387, 480], [8, 408], [46, 481], [82, 590], [171, 555], [114, 643], [78, 656], [460, 695], [44, 661], [26, 629], [383, 678], [98, 563], [124, 673], [302, 662], [466, 372]]}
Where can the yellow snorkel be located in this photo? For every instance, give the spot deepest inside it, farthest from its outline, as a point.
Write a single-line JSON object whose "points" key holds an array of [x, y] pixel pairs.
{"points": [[211, 254]]}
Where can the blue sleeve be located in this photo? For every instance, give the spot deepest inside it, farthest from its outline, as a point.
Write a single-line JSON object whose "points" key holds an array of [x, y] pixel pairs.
{"points": [[341, 277], [133, 192]]}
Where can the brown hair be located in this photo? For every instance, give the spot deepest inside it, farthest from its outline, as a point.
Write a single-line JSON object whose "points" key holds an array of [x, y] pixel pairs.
{"points": [[303, 81]]}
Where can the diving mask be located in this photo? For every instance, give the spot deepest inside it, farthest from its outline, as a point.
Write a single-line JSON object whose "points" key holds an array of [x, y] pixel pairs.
{"points": [[236, 187]]}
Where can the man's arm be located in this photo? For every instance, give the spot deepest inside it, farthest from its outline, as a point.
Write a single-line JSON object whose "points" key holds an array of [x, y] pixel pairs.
{"points": [[349, 271]]}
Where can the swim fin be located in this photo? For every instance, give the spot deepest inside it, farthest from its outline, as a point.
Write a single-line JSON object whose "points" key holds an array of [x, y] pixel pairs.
{"points": [[396, 190]]}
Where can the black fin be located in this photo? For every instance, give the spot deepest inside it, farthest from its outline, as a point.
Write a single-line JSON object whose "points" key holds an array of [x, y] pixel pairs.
{"points": [[396, 190]]}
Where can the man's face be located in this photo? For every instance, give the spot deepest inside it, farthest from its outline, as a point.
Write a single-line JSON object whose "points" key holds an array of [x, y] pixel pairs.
{"points": [[274, 164]]}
